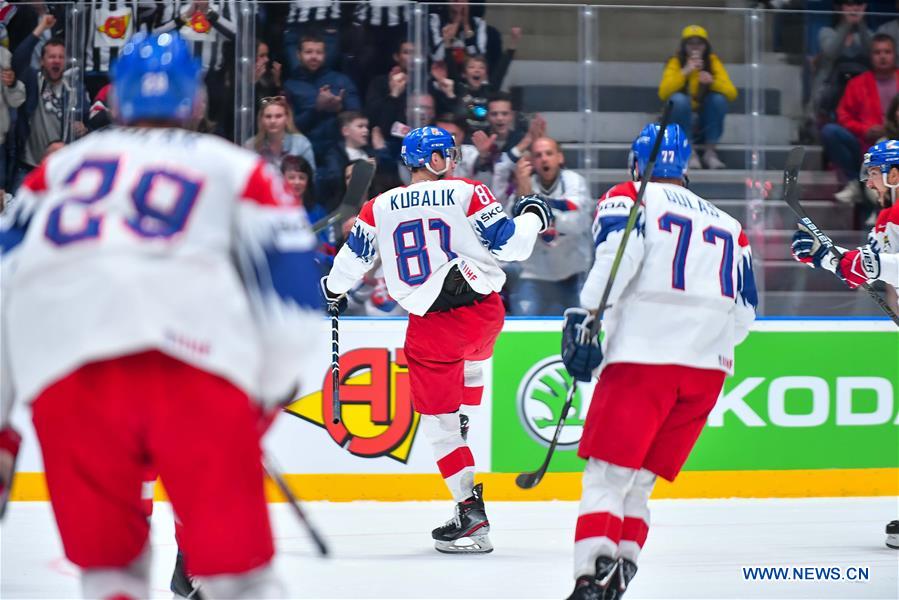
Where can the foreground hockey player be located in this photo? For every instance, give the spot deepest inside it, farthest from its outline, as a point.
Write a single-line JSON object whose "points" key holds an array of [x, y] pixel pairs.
{"points": [[879, 259], [683, 298], [143, 345], [439, 239]]}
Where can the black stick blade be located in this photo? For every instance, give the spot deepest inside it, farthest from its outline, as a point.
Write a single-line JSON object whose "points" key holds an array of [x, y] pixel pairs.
{"points": [[527, 481]]}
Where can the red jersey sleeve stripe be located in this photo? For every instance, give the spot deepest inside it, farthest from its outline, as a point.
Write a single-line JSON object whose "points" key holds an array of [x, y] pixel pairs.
{"points": [[481, 197], [887, 216], [626, 189], [36, 180], [367, 214], [743, 240], [265, 187]]}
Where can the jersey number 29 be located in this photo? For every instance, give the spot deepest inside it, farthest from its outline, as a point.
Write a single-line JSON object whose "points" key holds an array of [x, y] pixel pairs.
{"points": [[147, 221]]}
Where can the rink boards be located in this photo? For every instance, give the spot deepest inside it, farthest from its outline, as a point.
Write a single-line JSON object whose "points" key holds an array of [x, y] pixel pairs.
{"points": [[810, 411]]}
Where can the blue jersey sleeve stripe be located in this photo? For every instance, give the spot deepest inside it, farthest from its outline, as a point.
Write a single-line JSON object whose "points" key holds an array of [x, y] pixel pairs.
{"points": [[746, 283], [290, 275], [498, 233], [608, 225]]}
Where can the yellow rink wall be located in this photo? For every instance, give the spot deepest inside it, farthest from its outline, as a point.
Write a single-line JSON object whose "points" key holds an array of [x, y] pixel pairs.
{"points": [[557, 486]]}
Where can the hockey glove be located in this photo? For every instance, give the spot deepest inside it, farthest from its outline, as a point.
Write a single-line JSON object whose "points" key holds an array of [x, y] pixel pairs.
{"points": [[580, 354], [807, 249], [334, 303], [859, 266], [538, 205], [10, 440]]}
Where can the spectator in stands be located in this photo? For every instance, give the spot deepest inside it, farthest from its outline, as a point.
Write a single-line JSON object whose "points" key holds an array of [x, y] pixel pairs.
{"points": [[12, 95], [696, 81], [42, 117], [467, 94], [210, 26], [891, 28], [355, 144], [551, 278], [844, 51], [387, 93], [318, 94], [503, 140], [321, 19], [277, 136], [300, 177], [201, 123], [861, 115], [455, 33], [267, 74]]}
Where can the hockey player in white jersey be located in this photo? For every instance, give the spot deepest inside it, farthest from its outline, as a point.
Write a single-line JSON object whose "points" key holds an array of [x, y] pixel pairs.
{"points": [[439, 240], [159, 287], [879, 258], [684, 296]]}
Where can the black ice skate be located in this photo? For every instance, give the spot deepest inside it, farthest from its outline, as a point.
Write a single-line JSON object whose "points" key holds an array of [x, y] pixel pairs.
{"points": [[466, 532], [183, 585], [609, 583], [893, 534]]}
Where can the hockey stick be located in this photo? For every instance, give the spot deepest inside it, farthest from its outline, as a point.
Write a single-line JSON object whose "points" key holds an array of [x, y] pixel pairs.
{"points": [[275, 474], [335, 366], [791, 197], [353, 197], [528, 480]]}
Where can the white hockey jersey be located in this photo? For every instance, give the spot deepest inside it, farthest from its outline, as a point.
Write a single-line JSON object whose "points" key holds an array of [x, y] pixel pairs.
{"points": [[422, 230], [884, 239], [127, 241], [685, 292]]}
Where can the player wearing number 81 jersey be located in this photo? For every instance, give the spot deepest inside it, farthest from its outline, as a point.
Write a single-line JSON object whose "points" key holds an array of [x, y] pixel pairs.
{"points": [[683, 297], [439, 240]]}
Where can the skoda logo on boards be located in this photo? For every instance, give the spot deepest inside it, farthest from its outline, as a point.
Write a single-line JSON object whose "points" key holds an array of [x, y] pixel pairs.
{"points": [[540, 398]]}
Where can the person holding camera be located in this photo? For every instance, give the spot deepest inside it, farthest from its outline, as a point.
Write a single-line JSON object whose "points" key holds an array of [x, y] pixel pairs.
{"points": [[696, 81]]}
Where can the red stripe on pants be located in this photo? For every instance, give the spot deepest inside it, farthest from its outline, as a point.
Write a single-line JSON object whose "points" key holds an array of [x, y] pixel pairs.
{"points": [[634, 529], [471, 396], [599, 524], [455, 461]]}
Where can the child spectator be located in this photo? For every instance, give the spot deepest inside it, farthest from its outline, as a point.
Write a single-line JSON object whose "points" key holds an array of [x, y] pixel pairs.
{"points": [[696, 81], [277, 136], [355, 145]]}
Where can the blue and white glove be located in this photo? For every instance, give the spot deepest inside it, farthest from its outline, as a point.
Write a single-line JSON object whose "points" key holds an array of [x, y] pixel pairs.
{"points": [[580, 354], [807, 249], [538, 205]]}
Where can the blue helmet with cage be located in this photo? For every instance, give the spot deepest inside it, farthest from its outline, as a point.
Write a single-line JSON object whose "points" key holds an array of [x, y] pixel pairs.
{"points": [[883, 155], [674, 152], [419, 144], [155, 78]]}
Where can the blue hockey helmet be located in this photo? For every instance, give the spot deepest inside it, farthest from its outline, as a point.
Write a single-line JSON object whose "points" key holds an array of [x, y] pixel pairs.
{"points": [[674, 152], [419, 144], [155, 78], [884, 155]]}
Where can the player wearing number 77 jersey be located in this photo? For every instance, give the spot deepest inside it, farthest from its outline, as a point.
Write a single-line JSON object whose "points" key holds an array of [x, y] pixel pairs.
{"points": [[683, 297], [439, 240], [158, 290]]}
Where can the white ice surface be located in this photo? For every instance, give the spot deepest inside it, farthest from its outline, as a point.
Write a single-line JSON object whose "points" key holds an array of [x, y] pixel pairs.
{"points": [[383, 550]]}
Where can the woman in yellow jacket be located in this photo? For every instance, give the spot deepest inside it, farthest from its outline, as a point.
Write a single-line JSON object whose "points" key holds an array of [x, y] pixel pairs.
{"points": [[695, 81]]}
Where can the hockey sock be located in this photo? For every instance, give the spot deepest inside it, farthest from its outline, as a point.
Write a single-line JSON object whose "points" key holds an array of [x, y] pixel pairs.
{"points": [[454, 458], [635, 526], [600, 515], [473, 386], [132, 581], [258, 583]]}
